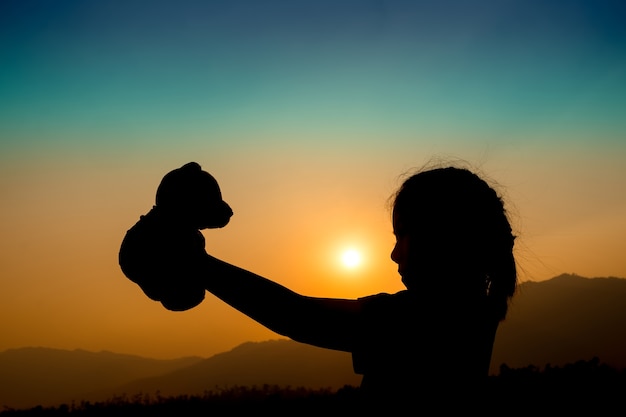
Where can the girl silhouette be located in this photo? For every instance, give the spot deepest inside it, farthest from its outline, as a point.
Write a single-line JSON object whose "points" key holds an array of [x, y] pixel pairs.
{"points": [[430, 343]]}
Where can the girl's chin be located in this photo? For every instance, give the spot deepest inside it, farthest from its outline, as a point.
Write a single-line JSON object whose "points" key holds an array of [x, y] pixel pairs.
{"points": [[409, 281]]}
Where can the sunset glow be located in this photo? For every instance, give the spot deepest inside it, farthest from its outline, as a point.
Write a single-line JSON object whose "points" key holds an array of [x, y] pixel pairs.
{"points": [[308, 114], [351, 258]]}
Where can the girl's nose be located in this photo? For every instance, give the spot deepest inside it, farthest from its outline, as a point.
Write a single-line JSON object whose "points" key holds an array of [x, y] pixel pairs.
{"points": [[395, 253]]}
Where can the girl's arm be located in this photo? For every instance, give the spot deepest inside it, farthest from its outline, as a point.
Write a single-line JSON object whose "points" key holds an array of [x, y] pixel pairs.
{"points": [[323, 322]]}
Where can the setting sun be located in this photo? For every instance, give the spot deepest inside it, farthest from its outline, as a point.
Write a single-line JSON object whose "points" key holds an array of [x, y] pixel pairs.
{"points": [[351, 258]]}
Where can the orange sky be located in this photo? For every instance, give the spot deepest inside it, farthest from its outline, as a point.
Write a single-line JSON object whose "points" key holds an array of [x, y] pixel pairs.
{"points": [[64, 218], [307, 118]]}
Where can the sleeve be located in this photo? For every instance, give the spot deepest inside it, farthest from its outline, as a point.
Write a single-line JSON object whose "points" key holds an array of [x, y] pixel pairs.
{"points": [[380, 328]]}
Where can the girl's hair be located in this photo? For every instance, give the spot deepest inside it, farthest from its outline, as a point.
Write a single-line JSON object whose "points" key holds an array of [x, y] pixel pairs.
{"points": [[465, 220]]}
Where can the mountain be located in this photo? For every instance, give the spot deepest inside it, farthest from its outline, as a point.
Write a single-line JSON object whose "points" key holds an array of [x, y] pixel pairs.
{"points": [[562, 320], [276, 362], [48, 377], [42, 376], [559, 321]]}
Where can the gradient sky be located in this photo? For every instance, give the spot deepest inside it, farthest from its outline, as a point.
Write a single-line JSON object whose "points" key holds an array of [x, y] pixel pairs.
{"points": [[308, 113]]}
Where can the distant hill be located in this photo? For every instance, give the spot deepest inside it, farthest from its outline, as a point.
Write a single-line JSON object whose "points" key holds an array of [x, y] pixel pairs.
{"points": [[42, 376], [562, 320], [38, 376], [276, 362], [559, 321]]}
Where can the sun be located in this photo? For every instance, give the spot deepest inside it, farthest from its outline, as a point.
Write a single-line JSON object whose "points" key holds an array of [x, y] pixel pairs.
{"points": [[351, 258]]}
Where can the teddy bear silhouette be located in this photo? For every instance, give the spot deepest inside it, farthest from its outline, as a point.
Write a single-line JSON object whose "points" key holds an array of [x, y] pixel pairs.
{"points": [[162, 252]]}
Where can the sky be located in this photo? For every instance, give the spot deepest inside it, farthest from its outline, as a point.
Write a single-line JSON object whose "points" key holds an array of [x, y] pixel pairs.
{"points": [[308, 113]]}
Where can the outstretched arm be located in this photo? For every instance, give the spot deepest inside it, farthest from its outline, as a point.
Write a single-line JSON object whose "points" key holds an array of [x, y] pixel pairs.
{"points": [[323, 322]]}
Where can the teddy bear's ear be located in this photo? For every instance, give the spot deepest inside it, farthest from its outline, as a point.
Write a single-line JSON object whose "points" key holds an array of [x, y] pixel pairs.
{"points": [[191, 166]]}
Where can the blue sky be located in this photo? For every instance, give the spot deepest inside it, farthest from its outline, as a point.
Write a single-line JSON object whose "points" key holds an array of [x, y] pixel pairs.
{"points": [[170, 68]]}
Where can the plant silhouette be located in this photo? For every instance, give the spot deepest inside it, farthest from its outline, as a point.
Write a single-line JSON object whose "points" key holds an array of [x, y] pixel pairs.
{"points": [[586, 386]]}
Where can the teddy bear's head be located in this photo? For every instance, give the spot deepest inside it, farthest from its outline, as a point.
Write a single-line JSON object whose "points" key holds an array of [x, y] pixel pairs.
{"points": [[193, 196]]}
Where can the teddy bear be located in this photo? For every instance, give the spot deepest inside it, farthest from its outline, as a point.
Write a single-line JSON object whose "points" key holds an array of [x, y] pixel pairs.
{"points": [[163, 252]]}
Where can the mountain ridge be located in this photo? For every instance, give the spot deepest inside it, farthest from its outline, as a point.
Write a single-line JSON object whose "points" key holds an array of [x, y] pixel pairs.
{"points": [[564, 319], [550, 322], [53, 373]]}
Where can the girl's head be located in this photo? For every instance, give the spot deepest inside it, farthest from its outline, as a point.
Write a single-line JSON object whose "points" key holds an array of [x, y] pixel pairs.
{"points": [[453, 237]]}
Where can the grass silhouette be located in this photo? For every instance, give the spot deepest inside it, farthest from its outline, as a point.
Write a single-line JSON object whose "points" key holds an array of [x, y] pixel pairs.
{"points": [[586, 386]]}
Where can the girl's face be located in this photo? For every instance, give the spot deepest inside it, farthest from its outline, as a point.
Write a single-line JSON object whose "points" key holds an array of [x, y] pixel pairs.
{"points": [[405, 252], [420, 253]]}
